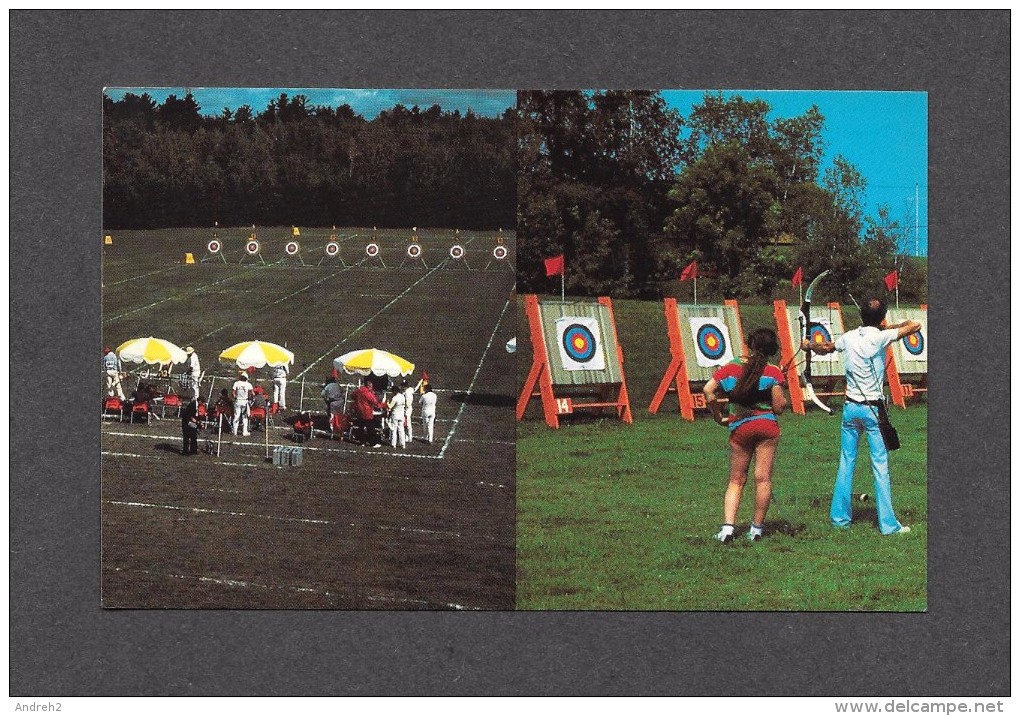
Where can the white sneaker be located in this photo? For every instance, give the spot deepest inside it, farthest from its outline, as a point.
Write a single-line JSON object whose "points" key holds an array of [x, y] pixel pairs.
{"points": [[725, 536], [902, 530]]}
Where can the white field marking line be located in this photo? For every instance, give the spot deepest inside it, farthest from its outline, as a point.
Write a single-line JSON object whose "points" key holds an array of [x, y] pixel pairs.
{"points": [[486, 442], [270, 305], [441, 533], [492, 484], [231, 464], [135, 278], [365, 451], [175, 297], [203, 510], [227, 582], [481, 362], [377, 314]]}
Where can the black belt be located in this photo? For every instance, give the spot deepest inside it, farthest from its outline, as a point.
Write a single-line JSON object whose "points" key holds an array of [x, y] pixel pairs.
{"points": [[872, 403]]}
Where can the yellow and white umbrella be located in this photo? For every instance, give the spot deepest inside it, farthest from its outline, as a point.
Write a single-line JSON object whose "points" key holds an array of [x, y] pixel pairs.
{"points": [[151, 350], [373, 361], [257, 354]]}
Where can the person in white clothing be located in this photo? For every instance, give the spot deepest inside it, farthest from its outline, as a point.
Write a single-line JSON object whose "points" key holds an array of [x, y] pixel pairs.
{"points": [[242, 395], [193, 372], [398, 411], [408, 392], [428, 410], [113, 369], [280, 386]]}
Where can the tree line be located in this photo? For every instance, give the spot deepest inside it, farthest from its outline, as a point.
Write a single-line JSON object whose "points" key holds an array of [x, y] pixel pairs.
{"points": [[631, 192], [167, 165]]}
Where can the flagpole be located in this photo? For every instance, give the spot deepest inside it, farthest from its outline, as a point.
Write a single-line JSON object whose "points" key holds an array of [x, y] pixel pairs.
{"points": [[695, 289], [563, 290]]}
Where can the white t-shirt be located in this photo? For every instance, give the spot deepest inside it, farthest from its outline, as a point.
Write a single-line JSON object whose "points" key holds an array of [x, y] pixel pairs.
{"points": [[863, 352], [279, 371], [409, 401], [428, 404], [242, 391], [193, 366], [397, 407]]}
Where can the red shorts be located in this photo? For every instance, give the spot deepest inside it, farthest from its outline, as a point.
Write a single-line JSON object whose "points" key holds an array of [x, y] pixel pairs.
{"points": [[748, 435]]}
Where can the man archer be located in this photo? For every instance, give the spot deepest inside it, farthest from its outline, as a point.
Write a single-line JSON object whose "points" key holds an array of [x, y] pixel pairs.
{"points": [[863, 352]]}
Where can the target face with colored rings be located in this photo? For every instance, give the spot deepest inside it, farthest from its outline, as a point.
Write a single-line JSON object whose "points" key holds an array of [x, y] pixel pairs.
{"points": [[332, 248], [579, 343], [292, 248], [456, 251], [414, 251], [914, 344], [711, 342], [819, 334], [214, 246], [252, 247], [499, 253], [372, 250]]}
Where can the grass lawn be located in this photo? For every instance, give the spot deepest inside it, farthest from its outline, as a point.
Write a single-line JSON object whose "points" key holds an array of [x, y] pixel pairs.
{"points": [[615, 516]]}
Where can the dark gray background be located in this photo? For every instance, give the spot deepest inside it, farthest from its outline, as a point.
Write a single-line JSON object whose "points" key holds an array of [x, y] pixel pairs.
{"points": [[62, 643]]}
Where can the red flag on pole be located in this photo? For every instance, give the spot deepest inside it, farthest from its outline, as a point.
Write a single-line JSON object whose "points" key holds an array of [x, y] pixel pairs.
{"points": [[892, 280], [690, 271], [798, 277], [554, 266]]}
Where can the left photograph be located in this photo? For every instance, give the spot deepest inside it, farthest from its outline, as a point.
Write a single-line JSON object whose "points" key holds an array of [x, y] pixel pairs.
{"points": [[307, 379]]}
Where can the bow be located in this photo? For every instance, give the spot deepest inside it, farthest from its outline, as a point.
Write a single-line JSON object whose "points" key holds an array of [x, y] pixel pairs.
{"points": [[805, 326]]}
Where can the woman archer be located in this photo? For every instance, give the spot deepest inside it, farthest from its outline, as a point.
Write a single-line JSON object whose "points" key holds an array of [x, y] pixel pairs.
{"points": [[755, 391]]}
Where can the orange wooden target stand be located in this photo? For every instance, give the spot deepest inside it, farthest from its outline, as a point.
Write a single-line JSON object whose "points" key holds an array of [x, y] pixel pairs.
{"points": [[907, 372], [565, 390], [682, 374], [826, 371]]}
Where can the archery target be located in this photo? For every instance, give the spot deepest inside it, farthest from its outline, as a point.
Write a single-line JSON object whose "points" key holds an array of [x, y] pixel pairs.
{"points": [[456, 251], [332, 249], [580, 343], [372, 250], [214, 246], [414, 251], [252, 247], [711, 341], [915, 347], [821, 332], [499, 253], [292, 248]]}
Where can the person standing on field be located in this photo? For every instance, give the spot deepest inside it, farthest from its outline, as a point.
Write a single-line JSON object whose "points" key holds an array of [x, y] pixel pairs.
{"points": [[242, 395], [408, 392], [280, 386], [863, 352], [428, 410], [113, 369], [194, 371], [398, 411]]}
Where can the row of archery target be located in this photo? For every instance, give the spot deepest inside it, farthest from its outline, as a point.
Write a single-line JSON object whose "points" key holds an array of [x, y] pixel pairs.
{"points": [[253, 247]]}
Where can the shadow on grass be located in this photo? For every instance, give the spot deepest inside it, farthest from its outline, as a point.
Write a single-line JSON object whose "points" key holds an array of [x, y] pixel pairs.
{"points": [[169, 447], [784, 527]]}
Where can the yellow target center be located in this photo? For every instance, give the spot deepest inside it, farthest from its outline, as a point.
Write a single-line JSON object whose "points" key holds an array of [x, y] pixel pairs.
{"points": [[579, 343], [711, 341]]}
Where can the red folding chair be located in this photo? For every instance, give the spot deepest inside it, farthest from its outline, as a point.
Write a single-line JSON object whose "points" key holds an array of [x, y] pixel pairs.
{"points": [[172, 400], [141, 408], [113, 406], [257, 416]]}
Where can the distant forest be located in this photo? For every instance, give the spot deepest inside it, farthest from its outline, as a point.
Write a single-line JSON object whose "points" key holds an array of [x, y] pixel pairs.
{"points": [[169, 165]]}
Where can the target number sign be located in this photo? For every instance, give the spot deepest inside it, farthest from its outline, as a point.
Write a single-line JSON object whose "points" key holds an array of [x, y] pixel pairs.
{"points": [[214, 246], [414, 251], [332, 248], [579, 341], [372, 250], [292, 248], [712, 345], [252, 247], [915, 346], [456, 251], [499, 253]]}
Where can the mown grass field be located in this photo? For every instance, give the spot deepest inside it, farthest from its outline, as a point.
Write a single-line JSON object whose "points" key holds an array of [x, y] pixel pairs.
{"points": [[429, 527], [621, 517]]}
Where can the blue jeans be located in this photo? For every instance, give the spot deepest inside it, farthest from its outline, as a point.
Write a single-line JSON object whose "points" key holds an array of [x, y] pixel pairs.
{"points": [[857, 420]]}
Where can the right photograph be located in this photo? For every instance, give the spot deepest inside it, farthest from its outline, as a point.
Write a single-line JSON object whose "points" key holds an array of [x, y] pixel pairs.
{"points": [[722, 350]]}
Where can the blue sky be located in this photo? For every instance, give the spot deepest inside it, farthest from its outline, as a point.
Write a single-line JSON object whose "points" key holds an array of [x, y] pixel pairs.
{"points": [[883, 134], [367, 102]]}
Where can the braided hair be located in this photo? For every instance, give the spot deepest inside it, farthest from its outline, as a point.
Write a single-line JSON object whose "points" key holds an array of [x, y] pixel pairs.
{"points": [[763, 344]]}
